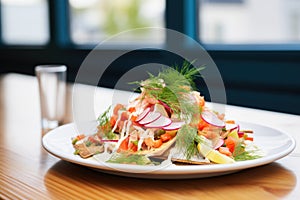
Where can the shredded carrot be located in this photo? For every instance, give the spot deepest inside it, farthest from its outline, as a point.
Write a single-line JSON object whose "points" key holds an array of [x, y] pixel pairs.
{"points": [[133, 118], [79, 137], [247, 131], [230, 121], [132, 109]]}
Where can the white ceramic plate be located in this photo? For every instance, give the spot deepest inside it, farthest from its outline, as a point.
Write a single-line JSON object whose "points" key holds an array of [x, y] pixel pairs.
{"points": [[274, 143]]}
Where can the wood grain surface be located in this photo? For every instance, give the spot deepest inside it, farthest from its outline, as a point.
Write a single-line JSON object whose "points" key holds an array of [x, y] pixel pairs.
{"points": [[27, 171]]}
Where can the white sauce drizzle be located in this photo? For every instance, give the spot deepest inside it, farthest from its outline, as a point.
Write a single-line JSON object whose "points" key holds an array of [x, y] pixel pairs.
{"points": [[118, 120], [127, 128], [122, 136], [143, 135]]}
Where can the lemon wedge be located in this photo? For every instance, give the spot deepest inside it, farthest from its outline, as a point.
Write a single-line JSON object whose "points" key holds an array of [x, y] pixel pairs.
{"points": [[213, 155], [234, 134], [204, 149], [216, 157]]}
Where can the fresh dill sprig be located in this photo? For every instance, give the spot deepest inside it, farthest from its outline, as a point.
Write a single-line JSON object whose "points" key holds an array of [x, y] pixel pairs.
{"points": [[186, 141], [189, 72], [173, 86], [127, 158], [240, 153], [246, 156], [103, 119], [104, 125]]}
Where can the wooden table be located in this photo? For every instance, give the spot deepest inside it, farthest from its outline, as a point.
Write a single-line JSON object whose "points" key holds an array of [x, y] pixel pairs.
{"points": [[29, 172]]}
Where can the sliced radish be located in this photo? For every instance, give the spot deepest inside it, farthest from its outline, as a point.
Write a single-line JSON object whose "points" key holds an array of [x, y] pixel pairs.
{"points": [[219, 143], [241, 134], [107, 140], [159, 123], [143, 114], [150, 117], [173, 126], [212, 119], [230, 127]]}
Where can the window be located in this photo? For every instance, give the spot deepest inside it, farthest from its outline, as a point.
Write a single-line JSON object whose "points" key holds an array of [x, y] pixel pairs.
{"points": [[24, 22], [95, 20], [249, 21], [255, 44]]}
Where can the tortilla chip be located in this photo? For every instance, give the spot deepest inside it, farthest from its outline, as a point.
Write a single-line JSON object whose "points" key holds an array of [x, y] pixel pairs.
{"points": [[89, 151]]}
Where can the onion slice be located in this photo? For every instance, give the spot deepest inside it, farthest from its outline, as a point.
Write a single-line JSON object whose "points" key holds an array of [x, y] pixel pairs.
{"points": [[212, 119]]}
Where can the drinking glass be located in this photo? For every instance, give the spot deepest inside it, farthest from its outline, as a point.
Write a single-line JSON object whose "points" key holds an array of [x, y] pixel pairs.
{"points": [[52, 91]]}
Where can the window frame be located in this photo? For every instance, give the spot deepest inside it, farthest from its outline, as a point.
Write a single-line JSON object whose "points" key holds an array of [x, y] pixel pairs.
{"points": [[256, 60]]}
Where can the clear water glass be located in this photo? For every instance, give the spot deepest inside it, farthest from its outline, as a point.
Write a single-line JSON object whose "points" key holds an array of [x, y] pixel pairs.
{"points": [[52, 92]]}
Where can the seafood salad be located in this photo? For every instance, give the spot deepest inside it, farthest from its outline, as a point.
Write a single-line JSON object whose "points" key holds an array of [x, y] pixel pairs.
{"points": [[168, 119]]}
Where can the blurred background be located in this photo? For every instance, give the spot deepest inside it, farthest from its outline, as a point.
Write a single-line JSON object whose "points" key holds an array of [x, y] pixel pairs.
{"points": [[255, 44]]}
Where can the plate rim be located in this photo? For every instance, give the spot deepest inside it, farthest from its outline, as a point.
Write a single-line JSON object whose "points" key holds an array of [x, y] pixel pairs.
{"points": [[182, 171]]}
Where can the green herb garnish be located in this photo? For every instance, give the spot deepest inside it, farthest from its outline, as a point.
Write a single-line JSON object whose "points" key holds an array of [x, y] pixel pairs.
{"points": [[186, 141], [189, 72], [173, 86], [88, 143], [76, 152], [110, 135], [127, 158], [104, 124], [241, 154], [103, 119], [246, 156], [74, 141]]}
